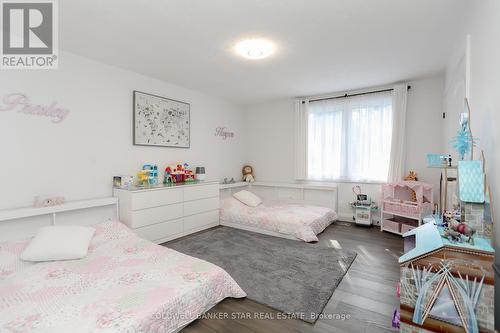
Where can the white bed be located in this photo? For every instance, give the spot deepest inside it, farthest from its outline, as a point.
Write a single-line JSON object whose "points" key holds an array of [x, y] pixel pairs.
{"points": [[292, 221], [125, 284]]}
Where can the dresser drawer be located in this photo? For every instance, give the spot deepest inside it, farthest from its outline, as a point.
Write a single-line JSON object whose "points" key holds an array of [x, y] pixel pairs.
{"points": [[160, 230], [140, 218], [155, 198], [201, 192], [201, 220], [200, 206]]}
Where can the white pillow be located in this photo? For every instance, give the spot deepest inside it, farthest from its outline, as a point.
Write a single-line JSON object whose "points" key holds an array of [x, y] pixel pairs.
{"points": [[59, 243], [248, 198]]}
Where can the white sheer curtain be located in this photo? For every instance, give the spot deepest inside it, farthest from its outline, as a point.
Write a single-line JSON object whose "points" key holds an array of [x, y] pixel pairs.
{"points": [[350, 139], [325, 140], [396, 165], [300, 140]]}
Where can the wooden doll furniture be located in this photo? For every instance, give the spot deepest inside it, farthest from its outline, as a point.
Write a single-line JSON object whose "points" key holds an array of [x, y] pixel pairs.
{"points": [[404, 205]]}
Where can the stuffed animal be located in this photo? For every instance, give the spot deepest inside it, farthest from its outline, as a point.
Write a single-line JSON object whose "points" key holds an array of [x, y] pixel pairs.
{"points": [[447, 217], [455, 230], [412, 176], [248, 174]]}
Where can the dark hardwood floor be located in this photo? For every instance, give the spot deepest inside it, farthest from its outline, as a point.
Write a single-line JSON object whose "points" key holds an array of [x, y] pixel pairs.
{"points": [[366, 296]]}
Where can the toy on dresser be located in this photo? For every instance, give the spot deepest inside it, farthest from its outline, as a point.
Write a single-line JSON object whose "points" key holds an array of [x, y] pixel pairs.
{"points": [[123, 181], [178, 173], [153, 173], [148, 175], [168, 178]]}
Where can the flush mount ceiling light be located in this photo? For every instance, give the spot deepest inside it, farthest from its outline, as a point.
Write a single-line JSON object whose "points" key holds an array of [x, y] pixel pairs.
{"points": [[254, 49]]}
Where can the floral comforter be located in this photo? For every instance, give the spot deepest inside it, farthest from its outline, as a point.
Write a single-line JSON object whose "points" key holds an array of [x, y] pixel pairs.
{"points": [[301, 221], [125, 284]]}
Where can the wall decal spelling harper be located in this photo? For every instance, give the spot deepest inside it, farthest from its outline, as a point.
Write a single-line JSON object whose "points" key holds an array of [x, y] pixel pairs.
{"points": [[21, 103], [222, 132]]}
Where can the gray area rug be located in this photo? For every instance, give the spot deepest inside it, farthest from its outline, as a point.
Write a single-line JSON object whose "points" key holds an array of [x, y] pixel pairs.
{"points": [[293, 277]]}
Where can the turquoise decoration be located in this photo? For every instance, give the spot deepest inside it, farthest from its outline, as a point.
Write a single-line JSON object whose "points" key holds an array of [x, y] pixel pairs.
{"points": [[435, 160], [463, 143], [471, 184]]}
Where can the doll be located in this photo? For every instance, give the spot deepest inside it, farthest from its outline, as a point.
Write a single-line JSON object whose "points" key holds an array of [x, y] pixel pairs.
{"points": [[248, 174]]}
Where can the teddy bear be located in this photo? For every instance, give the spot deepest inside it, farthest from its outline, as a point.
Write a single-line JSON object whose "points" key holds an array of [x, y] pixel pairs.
{"points": [[248, 174]]}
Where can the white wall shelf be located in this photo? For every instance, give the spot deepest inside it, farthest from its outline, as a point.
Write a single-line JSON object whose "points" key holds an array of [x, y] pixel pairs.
{"points": [[24, 212], [234, 185], [311, 194]]}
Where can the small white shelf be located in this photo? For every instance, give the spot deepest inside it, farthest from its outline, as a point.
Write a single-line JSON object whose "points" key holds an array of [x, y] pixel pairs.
{"points": [[233, 185], [12, 214]]}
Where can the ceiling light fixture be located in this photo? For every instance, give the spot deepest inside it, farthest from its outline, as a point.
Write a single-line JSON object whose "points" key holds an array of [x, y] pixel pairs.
{"points": [[254, 49]]}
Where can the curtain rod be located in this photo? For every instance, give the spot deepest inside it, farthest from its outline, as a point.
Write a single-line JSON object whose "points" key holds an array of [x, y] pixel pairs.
{"points": [[352, 95]]}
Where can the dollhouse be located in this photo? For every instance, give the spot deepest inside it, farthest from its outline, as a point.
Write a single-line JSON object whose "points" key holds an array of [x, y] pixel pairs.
{"points": [[447, 284], [404, 205]]}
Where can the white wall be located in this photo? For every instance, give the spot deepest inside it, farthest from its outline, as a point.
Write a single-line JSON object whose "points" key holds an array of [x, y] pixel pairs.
{"points": [[483, 25], [270, 139], [424, 126], [78, 157]]}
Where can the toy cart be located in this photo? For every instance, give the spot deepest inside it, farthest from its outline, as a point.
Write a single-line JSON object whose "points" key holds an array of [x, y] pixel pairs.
{"points": [[363, 212]]}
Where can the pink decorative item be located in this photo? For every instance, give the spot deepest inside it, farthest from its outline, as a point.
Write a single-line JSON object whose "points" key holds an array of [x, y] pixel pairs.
{"points": [[21, 103], [48, 202], [222, 132]]}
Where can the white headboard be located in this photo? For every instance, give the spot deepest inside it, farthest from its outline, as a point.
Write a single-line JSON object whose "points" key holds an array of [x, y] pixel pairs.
{"points": [[312, 194], [227, 190], [23, 223]]}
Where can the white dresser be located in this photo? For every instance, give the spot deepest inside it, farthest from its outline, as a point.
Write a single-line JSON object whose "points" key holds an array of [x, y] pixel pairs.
{"points": [[167, 212]]}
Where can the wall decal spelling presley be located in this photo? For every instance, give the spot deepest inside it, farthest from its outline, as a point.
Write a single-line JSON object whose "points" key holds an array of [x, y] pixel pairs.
{"points": [[21, 103]]}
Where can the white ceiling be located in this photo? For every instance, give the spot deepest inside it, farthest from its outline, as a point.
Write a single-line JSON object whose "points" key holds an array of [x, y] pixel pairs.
{"points": [[322, 45]]}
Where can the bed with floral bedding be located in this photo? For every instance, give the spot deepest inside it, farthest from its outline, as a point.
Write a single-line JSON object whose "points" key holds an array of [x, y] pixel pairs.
{"points": [[294, 221], [125, 284]]}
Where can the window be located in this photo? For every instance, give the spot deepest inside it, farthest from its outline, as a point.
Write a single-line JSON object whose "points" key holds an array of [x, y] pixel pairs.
{"points": [[349, 139]]}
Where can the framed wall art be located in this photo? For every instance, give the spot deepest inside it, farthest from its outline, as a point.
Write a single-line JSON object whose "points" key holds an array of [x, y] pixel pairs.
{"points": [[160, 121]]}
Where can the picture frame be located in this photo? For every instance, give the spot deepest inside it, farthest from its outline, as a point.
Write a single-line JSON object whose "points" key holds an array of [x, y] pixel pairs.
{"points": [[160, 121]]}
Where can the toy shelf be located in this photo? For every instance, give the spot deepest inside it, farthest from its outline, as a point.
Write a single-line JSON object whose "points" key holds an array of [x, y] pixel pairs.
{"points": [[399, 224], [404, 205]]}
